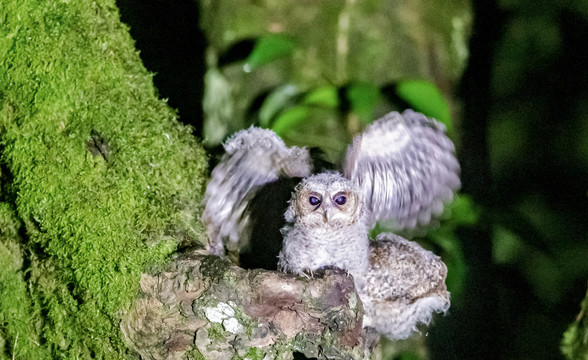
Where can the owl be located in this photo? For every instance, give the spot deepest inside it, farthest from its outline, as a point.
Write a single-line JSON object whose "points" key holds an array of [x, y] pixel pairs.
{"points": [[400, 284], [400, 170], [325, 226]]}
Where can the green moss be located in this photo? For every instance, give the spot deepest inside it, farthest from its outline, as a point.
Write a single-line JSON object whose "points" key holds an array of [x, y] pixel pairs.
{"points": [[103, 177], [20, 322], [195, 354], [253, 354], [217, 333]]}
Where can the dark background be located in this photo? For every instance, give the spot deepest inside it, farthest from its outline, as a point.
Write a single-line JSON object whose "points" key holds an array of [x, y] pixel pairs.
{"points": [[523, 146]]}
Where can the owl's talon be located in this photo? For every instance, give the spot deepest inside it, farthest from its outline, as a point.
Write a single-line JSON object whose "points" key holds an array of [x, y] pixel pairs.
{"points": [[306, 273], [331, 268]]}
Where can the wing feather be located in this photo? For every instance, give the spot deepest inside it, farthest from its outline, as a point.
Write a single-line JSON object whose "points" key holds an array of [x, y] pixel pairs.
{"points": [[404, 287], [406, 168], [254, 157]]}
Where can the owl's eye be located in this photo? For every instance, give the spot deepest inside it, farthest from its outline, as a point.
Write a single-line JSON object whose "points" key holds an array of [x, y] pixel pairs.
{"points": [[341, 200], [313, 200]]}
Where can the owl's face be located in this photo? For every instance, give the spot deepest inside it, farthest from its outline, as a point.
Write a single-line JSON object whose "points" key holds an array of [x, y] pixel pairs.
{"points": [[325, 200]]}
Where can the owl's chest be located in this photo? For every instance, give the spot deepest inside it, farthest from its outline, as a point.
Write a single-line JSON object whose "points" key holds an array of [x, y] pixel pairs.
{"points": [[329, 240], [345, 248]]}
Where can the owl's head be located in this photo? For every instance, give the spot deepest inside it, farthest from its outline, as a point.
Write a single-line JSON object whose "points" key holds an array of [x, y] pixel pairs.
{"points": [[325, 200]]}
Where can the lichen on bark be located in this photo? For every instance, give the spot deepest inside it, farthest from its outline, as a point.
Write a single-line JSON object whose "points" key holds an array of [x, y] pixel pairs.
{"points": [[202, 304]]}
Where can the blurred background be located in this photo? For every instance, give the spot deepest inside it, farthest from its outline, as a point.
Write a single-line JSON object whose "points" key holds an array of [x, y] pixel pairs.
{"points": [[508, 79]]}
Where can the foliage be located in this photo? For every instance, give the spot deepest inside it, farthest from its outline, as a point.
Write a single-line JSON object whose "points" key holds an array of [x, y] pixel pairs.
{"points": [[99, 179], [342, 55], [575, 340], [425, 98]]}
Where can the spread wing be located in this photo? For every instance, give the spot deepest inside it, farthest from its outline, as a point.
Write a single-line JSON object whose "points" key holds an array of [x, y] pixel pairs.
{"points": [[254, 157], [405, 166]]}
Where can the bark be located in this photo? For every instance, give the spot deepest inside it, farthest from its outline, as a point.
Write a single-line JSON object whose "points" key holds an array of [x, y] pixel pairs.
{"points": [[202, 306]]}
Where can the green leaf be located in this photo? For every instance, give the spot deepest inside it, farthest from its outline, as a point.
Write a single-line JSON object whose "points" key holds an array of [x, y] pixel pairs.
{"points": [[325, 96], [275, 102], [363, 98], [267, 49], [453, 257], [290, 118], [464, 211], [507, 246], [426, 98], [317, 127], [574, 344]]}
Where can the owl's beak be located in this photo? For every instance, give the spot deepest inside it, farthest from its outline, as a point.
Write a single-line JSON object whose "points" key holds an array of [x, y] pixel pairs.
{"points": [[327, 212], [326, 215]]}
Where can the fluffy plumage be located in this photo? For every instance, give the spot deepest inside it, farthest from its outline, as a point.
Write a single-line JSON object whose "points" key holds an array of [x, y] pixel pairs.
{"points": [[404, 286], [400, 284], [253, 158], [325, 234], [405, 168], [400, 169]]}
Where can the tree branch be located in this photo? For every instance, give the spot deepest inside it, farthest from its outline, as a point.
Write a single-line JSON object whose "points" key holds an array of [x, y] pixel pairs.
{"points": [[204, 306]]}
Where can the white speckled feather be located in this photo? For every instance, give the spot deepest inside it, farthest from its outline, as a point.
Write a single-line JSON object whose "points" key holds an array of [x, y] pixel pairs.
{"points": [[405, 167], [253, 157], [404, 287]]}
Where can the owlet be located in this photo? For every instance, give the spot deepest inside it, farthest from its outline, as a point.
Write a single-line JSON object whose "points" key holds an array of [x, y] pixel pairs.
{"points": [[400, 170]]}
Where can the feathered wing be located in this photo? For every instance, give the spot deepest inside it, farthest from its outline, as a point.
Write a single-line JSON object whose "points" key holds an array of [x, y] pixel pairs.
{"points": [[404, 287], [254, 157], [405, 167]]}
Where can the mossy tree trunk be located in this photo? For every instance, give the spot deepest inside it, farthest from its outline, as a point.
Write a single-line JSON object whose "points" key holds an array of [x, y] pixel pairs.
{"points": [[99, 180], [101, 186]]}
